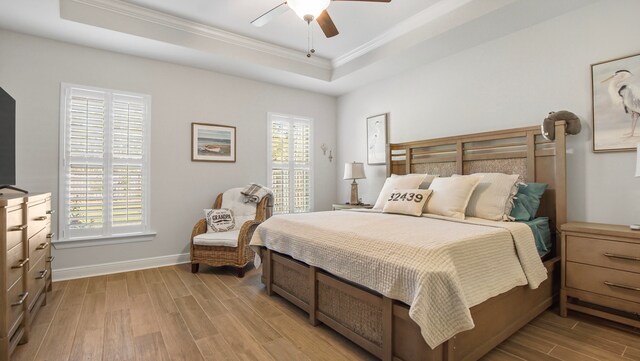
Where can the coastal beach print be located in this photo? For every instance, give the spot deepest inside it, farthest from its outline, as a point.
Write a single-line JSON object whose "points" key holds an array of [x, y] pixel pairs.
{"points": [[377, 139], [616, 104], [213, 143]]}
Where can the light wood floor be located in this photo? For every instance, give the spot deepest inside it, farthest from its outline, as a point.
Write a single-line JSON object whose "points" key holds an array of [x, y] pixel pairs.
{"points": [[170, 314]]}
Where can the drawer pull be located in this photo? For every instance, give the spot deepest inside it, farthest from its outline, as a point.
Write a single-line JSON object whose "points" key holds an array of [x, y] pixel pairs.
{"points": [[621, 256], [50, 235], [21, 263], [42, 246], [41, 218], [43, 274], [621, 286], [51, 211], [19, 228], [50, 259], [21, 300]]}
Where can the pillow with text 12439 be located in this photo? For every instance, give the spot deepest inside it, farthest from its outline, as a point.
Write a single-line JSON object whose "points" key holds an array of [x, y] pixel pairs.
{"points": [[219, 220], [409, 181], [407, 201]]}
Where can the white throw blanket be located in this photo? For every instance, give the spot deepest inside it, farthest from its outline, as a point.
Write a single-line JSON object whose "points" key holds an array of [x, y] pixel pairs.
{"points": [[439, 266]]}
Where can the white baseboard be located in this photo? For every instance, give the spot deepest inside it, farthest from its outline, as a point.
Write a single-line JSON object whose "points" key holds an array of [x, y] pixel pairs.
{"points": [[62, 274]]}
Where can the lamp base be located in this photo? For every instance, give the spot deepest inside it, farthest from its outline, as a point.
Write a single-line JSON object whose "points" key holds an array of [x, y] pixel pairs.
{"points": [[354, 193], [635, 227]]}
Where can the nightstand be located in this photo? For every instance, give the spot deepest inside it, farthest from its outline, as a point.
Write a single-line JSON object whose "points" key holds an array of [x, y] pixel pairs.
{"points": [[601, 271], [339, 206]]}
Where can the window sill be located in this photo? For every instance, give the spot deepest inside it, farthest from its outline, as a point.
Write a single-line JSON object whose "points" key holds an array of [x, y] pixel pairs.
{"points": [[103, 241]]}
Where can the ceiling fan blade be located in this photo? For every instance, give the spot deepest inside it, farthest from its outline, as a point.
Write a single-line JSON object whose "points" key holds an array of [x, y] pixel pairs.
{"points": [[270, 15], [371, 1], [326, 24]]}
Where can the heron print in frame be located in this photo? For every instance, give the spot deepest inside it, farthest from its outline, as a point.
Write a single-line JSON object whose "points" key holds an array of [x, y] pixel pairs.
{"points": [[616, 104], [377, 139]]}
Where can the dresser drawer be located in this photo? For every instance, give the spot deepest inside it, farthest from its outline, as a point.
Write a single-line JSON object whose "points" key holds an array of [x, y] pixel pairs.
{"points": [[36, 279], [15, 224], [16, 300], [38, 218], [16, 262], [604, 281], [38, 245], [611, 254]]}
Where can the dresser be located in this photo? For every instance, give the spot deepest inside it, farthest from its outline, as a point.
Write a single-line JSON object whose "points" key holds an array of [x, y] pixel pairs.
{"points": [[601, 271], [25, 238]]}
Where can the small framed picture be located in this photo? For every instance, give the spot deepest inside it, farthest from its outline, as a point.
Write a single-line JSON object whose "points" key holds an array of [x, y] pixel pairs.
{"points": [[615, 86], [377, 139], [213, 143]]}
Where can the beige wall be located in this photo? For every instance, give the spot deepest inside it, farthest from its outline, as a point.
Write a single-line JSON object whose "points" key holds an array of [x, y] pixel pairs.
{"points": [[31, 70], [511, 82]]}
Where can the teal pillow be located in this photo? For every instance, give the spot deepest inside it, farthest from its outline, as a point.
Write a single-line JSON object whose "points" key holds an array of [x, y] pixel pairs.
{"points": [[527, 201]]}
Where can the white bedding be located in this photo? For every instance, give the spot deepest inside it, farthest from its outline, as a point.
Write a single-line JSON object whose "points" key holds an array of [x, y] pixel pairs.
{"points": [[439, 266]]}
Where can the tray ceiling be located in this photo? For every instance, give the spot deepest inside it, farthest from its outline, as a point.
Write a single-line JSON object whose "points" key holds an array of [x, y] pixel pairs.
{"points": [[376, 40]]}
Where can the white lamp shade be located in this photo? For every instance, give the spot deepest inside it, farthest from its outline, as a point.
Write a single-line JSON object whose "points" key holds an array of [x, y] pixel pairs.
{"points": [[354, 170], [638, 162], [308, 7]]}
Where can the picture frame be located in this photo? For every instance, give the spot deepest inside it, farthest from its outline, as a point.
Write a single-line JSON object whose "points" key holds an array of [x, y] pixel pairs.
{"points": [[377, 139], [213, 143], [615, 97]]}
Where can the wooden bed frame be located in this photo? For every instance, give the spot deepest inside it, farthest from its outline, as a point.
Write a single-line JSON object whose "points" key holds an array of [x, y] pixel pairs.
{"points": [[382, 325]]}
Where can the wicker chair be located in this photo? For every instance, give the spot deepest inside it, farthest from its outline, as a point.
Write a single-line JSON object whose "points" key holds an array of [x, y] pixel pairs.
{"points": [[237, 257]]}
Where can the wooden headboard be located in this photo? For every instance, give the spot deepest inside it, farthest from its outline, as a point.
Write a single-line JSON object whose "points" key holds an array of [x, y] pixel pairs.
{"points": [[513, 151]]}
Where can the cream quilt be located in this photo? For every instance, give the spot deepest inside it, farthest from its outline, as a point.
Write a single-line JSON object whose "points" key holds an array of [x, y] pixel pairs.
{"points": [[439, 266]]}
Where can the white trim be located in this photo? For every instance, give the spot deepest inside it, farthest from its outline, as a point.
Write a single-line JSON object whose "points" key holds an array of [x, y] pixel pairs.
{"points": [[156, 17], [103, 241], [117, 267], [429, 14]]}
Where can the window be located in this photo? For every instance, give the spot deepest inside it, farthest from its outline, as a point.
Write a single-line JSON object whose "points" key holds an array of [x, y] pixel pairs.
{"points": [[290, 163], [104, 177]]}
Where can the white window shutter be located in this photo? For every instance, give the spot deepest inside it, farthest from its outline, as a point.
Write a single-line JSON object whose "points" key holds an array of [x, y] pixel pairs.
{"points": [[104, 178], [290, 163]]}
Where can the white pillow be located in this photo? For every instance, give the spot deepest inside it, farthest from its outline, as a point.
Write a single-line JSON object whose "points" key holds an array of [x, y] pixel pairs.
{"points": [[219, 220], [493, 197], [426, 182], [407, 201], [451, 195], [409, 181]]}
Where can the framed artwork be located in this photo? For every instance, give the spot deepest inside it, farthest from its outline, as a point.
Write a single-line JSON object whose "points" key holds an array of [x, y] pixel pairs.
{"points": [[377, 139], [615, 87], [213, 143]]}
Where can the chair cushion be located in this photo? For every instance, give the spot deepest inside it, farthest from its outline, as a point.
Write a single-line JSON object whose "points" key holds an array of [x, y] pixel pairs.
{"points": [[219, 239]]}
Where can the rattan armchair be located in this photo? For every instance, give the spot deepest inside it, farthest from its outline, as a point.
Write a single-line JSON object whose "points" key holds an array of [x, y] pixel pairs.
{"points": [[237, 257]]}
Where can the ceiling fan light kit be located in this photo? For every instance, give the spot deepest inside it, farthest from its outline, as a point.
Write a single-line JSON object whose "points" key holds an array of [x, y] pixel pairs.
{"points": [[308, 10], [304, 8]]}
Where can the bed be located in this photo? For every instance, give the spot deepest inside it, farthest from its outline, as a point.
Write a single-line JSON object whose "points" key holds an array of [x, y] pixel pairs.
{"points": [[382, 325]]}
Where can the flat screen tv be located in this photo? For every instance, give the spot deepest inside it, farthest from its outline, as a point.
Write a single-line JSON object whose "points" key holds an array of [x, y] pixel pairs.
{"points": [[7, 139]]}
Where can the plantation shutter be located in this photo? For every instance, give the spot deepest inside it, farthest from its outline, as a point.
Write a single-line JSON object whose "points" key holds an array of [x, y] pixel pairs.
{"points": [[290, 163], [104, 182]]}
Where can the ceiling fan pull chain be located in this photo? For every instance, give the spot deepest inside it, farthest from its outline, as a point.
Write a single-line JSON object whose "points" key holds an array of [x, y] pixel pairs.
{"points": [[311, 32], [308, 39]]}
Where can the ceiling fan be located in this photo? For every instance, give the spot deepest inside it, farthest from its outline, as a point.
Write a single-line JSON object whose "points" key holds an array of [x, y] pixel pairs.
{"points": [[307, 10]]}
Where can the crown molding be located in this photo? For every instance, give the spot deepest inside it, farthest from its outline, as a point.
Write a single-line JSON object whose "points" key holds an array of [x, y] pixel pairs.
{"points": [[159, 18], [429, 14]]}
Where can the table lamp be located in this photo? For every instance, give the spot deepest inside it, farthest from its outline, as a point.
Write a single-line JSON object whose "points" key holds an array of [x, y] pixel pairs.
{"points": [[635, 227], [354, 171]]}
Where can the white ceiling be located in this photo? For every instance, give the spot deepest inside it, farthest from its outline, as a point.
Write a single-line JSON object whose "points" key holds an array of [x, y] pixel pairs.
{"points": [[357, 22], [376, 40]]}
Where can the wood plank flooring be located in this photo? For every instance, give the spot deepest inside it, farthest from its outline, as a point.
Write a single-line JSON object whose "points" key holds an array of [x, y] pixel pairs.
{"points": [[170, 314]]}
